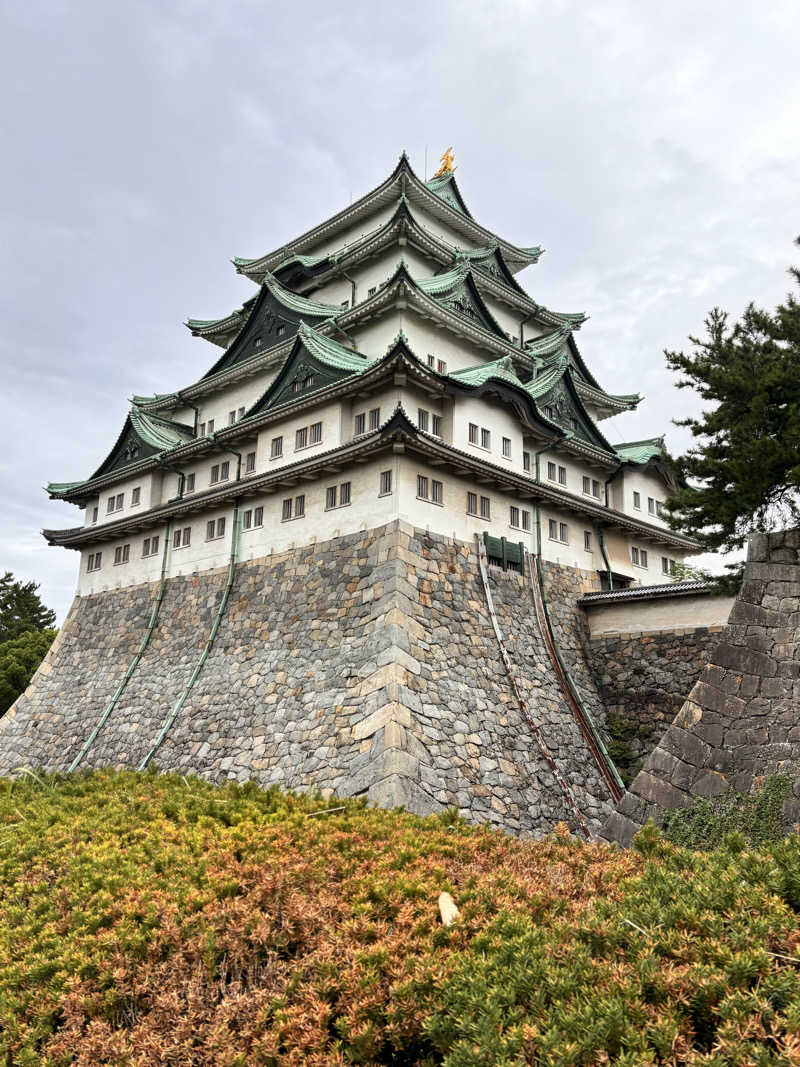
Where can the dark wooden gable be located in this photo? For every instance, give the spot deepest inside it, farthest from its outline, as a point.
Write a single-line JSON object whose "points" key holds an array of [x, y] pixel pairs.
{"points": [[301, 374], [130, 448], [563, 405], [269, 323]]}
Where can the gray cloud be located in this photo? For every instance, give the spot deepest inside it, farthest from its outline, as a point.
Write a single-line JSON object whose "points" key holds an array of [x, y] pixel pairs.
{"points": [[651, 148]]}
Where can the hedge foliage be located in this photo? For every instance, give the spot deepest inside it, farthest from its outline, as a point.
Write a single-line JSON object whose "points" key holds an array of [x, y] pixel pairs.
{"points": [[149, 919], [19, 658]]}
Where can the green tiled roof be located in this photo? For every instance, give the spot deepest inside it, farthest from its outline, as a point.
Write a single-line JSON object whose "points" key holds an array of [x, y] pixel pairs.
{"points": [[640, 451], [300, 304], [546, 379], [549, 344], [56, 488], [499, 368], [159, 432], [328, 351], [443, 283]]}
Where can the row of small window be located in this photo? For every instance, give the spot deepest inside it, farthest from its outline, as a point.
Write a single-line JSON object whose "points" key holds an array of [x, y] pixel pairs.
{"points": [[207, 427], [303, 438], [122, 553], [117, 502], [654, 507], [557, 473], [479, 435], [559, 531]]}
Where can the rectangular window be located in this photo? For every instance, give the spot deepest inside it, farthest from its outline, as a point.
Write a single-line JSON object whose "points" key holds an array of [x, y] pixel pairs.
{"points": [[587, 485], [526, 461], [210, 530], [301, 438], [201, 429], [94, 515], [286, 509], [249, 462], [664, 565], [247, 519], [472, 504], [635, 555], [595, 488], [552, 529], [210, 426], [189, 485], [225, 471], [258, 516], [436, 425], [176, 539], [330, 497], [513, 516], [637, 501], [386, 483], [473, 434], [422, 486], [300, 506], [371, 291], [120, 501], [374, 418], [146, 546], [221, 527], [122, 554], [360, 424], [437, 492], [562, 475], [441, 366], [587, 540], [431, 360], [231, 417], [94, 560], [486, 507], [276, 448], [659, 508], [136, 496], [651, 505], [422, 419], [240, 414], [643, 556], [507, 447], [344, 494], [526, 520], [315, 433], [154, 545], [563, 532], [215, 474], [552, 471], [486, 438], [187, 536]]}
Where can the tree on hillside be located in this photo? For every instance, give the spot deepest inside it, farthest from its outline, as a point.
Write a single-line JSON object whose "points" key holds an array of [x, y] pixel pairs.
{"points": [[19, 658], [743, 474], [21, 608]]}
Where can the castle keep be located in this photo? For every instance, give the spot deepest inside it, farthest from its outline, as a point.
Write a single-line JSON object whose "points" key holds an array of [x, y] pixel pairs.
{"points": [[349, 555]]}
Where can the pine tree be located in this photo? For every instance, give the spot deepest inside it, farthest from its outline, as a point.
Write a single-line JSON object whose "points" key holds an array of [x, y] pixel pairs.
{"points": [[743, 474], [21, 608]]}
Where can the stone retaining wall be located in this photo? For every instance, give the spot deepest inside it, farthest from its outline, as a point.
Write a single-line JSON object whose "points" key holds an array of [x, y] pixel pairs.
{"points": [[742, 717], [364, 665], [643, 679]]}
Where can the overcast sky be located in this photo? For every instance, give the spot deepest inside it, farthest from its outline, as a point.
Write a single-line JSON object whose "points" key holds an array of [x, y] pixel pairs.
{"points": [[651, 148]]}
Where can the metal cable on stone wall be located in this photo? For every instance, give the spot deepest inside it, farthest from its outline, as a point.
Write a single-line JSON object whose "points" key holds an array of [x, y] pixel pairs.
{"points": [[207, 648], [135, 661], [582, 717], [545, 751]]}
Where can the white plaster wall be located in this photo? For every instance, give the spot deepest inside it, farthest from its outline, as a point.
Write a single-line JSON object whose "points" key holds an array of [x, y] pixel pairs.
{"points": [[648, 485], [150, 496], [508, 318], [330, 417], [218, 405], [349, 234], [678, 613], [374, 272]]}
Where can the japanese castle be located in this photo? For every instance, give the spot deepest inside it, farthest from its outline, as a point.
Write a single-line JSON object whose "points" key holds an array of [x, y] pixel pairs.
{"points": [[387, 365]]}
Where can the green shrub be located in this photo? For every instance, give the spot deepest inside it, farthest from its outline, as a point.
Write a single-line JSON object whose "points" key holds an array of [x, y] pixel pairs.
{"points": [[19, 658], [707, 822]]}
